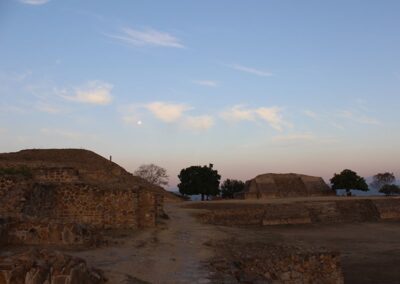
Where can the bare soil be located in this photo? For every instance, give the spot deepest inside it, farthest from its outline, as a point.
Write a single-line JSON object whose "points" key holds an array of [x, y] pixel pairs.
{"points": [[176, 252], [180, 250], [370, 252]]}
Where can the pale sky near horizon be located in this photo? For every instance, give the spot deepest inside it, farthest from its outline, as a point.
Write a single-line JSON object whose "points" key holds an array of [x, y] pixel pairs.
{"points": [[251, 86]]}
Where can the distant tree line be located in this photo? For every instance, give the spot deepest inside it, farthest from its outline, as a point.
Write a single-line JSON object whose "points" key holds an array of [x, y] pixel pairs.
{"points": [[205, 181], [349, 180]]}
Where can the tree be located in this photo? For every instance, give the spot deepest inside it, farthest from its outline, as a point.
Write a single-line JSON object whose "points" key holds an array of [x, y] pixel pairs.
{"points": [[153, 174], [348, 180], [390, 189], [202, 180], [231, 186], [382, 179]]}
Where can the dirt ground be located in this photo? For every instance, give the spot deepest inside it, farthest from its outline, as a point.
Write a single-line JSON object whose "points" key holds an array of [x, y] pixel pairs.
{"points": [[176, 252], [179, 250], [370, 252]]}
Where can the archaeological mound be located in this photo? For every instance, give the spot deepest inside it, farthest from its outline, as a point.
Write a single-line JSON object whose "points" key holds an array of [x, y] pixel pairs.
{"points": [[284, 185], [64, 196]]}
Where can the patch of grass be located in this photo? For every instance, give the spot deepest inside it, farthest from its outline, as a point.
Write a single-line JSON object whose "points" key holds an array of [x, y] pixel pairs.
{"points": [[18, 171]]}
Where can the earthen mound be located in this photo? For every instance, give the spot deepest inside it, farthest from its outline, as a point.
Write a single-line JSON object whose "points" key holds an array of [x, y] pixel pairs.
{"points": [[285, 185]]}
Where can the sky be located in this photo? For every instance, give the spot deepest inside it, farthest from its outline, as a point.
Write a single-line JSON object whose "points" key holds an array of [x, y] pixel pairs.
{"points": [[252, 86]]}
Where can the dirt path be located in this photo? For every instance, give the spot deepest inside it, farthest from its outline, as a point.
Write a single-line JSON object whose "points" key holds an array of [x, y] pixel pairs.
{"points": [[174, 253]]}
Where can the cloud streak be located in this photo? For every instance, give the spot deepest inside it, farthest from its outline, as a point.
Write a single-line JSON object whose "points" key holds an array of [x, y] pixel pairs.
{"points": [[206, 83], [202, 122], [359, 118], [93, 92], [251, 70], [34, 2], [167, 112], [147, 37], [271, 115]]}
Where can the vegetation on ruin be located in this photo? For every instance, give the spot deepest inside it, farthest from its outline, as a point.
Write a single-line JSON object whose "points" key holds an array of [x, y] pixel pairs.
{"points": [[348, 180], [203, 180], [18, 171], [230, 187], [153, 174]]}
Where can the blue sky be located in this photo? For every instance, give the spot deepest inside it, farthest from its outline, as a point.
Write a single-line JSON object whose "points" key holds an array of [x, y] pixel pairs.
{"points": [[251, 86]]}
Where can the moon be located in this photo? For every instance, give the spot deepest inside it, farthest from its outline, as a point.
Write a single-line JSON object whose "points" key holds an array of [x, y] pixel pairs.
{"points": [[139, 122]]}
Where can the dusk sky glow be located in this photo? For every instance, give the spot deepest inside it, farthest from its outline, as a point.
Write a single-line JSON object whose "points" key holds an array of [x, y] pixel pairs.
{"points": [[255, 86]]}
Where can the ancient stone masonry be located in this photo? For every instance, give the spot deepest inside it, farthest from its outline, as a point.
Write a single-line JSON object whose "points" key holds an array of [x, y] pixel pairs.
{"points": [[284, 185], [262, 263], [304, 212], [58, 199], [42, 267]]}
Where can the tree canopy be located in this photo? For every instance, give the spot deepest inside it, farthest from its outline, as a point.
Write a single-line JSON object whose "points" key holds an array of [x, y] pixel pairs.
{"points": [[384, 182], [230, 187], [202, 180], [153, 174], [348, 180], [381, 179]]}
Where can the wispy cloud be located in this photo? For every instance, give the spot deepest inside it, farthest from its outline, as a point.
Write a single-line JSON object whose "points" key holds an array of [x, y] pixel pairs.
{"points": [[48, 108], [202, 122], [311, 114], [167, 112], [251, 70], [206, 83], [238, 113], [147, 37], [93, 92], [358, 117], [34, 2], [271, 115]]}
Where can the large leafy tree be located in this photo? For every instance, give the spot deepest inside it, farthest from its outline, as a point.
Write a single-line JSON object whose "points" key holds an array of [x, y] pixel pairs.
{"points": [[153, 174], [202, 180], [230, 187], [348, 180]]}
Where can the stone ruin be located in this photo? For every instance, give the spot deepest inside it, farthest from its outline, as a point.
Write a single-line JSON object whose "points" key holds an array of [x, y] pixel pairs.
{"points": [[44, 267], [284, 185], [266, 263], [66, 196]]}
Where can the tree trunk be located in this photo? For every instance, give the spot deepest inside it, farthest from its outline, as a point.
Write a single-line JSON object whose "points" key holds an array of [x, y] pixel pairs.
{"points": [[348, 192], [202, 197]]}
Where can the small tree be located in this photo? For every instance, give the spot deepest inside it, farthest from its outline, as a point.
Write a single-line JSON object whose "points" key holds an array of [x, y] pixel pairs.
{"points": [[230, 187], [153, 174], [348, 180], [382, 179], [390, 189], [202, 180]]}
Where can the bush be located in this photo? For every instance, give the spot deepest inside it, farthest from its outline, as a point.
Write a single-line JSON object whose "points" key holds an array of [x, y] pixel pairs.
{"points": [[390, 189]]}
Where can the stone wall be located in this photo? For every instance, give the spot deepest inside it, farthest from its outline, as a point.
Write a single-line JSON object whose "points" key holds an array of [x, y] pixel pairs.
{"points": [[80, 203], [262, 263], [56, 174], [49, 196], [35, 233], [42, 267], [306, 212]]}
